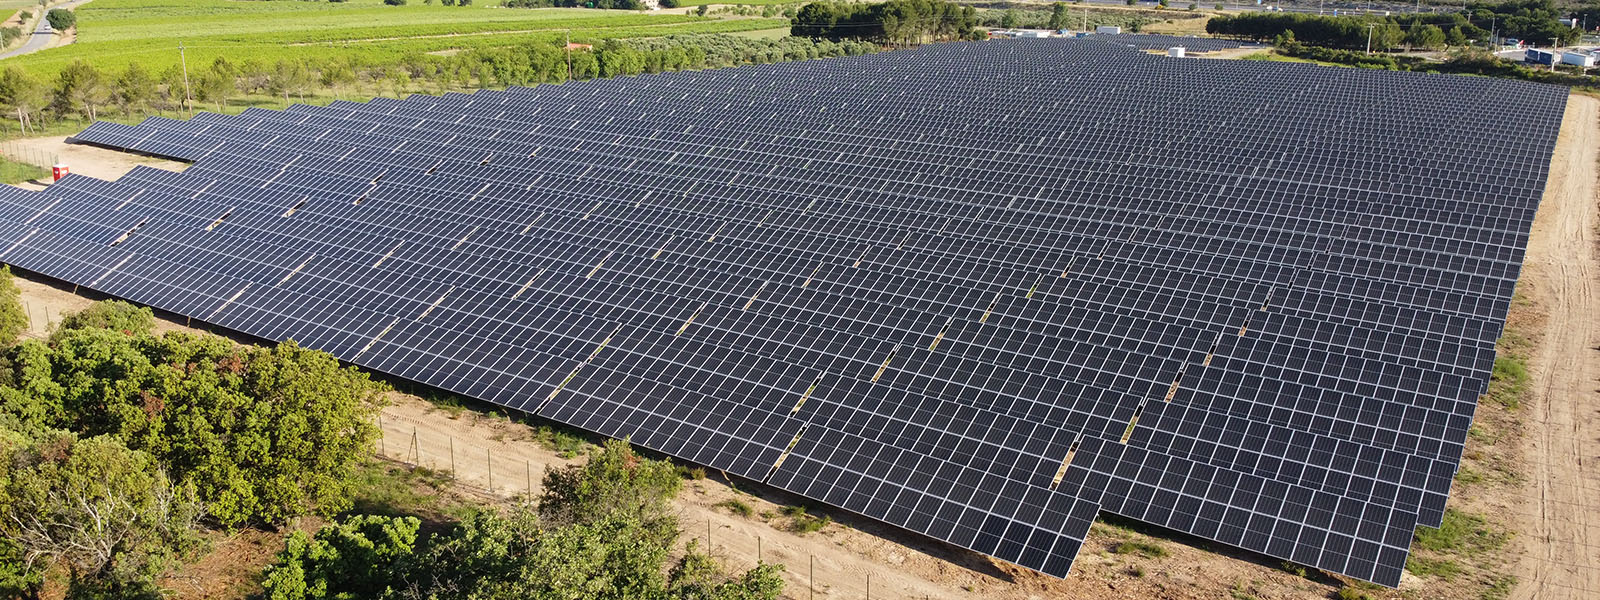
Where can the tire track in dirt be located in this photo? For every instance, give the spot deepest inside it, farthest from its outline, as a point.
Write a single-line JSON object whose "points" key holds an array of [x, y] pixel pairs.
{"points": [[1563, 523]]}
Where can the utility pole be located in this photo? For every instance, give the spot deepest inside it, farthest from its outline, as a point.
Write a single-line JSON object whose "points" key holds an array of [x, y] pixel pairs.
{"points": [[1369, 38], [188, 97], [569, 54], [1085, 19]]}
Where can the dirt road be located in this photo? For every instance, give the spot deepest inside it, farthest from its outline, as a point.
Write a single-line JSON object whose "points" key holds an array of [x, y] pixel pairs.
{"points": [[1562, 445]]}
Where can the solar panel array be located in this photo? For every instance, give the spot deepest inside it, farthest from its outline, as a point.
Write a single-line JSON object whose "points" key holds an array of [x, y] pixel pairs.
{"points": [[982, 291], [1151, 41]]}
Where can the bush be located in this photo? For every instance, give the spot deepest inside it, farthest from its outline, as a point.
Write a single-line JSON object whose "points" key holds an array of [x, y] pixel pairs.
{"points": [[53, 485], [602, 530], [13, 318], [615, 483], [669, 3], [114, 315], [263, 434], [802, 522], [61, 19], [395, 2], [364, 556], [691, 473], [736, 507], [1146, 549]]}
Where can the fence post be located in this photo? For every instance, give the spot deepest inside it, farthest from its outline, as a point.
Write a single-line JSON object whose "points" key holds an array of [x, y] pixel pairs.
{"points": [[383, 447], [490, 457], [527, 471], [416, 449], [811, 580], [453, 457]]}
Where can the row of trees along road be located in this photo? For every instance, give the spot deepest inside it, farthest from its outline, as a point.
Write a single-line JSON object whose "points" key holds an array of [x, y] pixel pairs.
{"points": [[898, 22], [1532, 20]]}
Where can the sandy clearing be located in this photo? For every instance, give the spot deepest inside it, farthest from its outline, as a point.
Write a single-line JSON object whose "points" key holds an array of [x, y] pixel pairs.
{"points": [[1561, 532], [93, 161]]}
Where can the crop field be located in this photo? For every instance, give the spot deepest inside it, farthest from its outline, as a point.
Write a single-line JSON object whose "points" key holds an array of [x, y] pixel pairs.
{"points": [[115, 33]]}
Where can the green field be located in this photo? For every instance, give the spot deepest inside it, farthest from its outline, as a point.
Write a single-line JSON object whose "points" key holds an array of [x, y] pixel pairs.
{"points": [[115, 33]]}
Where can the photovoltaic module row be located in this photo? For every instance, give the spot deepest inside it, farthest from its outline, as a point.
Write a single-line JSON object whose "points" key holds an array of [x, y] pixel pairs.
{"points": [[982, 291]]}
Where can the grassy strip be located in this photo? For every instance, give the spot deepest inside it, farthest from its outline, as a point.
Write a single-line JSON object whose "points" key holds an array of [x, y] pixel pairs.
{"points": [[15, 172]]}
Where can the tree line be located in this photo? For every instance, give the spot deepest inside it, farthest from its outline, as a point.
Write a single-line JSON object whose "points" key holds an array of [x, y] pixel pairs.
{"points": [[601, 4], [897, 22], [1531, 20], [83, 90]]}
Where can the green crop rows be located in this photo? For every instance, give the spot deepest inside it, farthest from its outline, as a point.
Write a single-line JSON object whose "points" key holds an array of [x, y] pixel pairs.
{"points": [[115, 33]]}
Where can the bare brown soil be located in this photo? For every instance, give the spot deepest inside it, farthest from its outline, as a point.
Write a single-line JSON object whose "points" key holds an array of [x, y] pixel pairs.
{"points": [[96, 162], [1559, 507]]}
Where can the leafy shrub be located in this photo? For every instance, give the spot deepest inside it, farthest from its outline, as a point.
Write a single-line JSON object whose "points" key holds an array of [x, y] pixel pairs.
{"points": [[263, 434], [736, 507], [61, 19], [362, 557], [114, 315], [615, 483], [602, 530], [691, 473], [802, 522], [13, 318], [1142, 548], [53, 485]]}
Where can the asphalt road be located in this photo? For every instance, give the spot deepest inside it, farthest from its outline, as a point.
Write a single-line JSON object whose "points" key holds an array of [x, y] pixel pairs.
{"points": [[41, 35]]}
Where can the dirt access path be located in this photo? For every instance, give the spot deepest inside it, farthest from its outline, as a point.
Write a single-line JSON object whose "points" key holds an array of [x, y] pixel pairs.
{"points": [[1561, 532]]}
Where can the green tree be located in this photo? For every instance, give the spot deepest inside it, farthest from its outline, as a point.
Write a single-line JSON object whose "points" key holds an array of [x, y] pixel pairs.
{"points": [[597, 533], [1058, 15], [13, 318], [136, 89], [289, 77], [1455, 37], [362, 557], [1012, 19], [584, 65], [1387, 36], [263, 434], [105, 514], [615, 483], [337, 76], [61, 19], [217, 84], [81, 88], [114, 315], [1430, 37], [176, 91], [23, 94]]}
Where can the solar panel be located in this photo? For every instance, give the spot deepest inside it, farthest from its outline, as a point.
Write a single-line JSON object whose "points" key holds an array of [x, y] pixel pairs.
{"points": [[981, 291]]}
